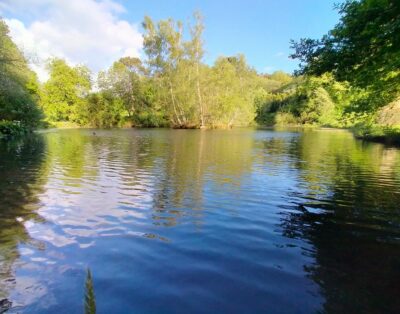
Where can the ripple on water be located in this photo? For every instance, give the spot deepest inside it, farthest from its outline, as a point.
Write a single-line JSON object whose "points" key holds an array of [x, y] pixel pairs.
{"points": [[186, 221]]}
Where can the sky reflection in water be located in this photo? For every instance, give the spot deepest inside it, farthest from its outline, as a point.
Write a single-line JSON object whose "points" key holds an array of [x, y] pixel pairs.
{"points": [[179, 221]]}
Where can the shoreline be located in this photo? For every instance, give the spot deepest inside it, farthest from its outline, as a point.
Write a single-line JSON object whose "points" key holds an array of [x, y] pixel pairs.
{"points": [[389, 136], [376, 134]]}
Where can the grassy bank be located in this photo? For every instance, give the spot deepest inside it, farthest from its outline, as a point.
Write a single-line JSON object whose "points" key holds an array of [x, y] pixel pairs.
{"points": [[378, 133], [389, 135]]}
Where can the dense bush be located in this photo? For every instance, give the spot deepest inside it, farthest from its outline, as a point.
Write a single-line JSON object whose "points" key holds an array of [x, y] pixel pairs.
{"points": [[18, 85], [342, 84], [320, 101], [12, 128], [362, 51]]}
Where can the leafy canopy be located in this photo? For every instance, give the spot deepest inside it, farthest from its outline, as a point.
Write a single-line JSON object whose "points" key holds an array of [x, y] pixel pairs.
{"points": [[363, 48], [18, 84]]}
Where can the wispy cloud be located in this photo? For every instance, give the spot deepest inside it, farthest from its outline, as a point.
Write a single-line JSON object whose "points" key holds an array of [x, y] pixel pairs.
{"points": [[269, 69], [81, 31], [280, 54]]}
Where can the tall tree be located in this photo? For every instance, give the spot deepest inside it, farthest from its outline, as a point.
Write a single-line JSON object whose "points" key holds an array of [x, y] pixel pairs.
{"points": [[363, 48], [164, 49], [18, 84], [195, 53], [63, 95], [125, 80], [232, 85]]}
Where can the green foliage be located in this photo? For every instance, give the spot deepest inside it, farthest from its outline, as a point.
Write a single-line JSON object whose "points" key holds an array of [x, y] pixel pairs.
{"points": [[65, 91], [363, 49], [377, 133], [102, 110], [172, 87], [18, 84], [125, 81], [195, 95], [150, 118], [11, 128], [312, 100], [361, 54], [348, 75], [281, 77], [174, 65], [231, 92], [90, 300], [284, 119]]}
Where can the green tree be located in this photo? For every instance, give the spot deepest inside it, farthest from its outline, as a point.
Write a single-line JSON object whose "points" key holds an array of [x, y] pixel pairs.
{"points": [[232, 93], [363, 48], [195, 53], [124, 80], [163, 46], [18, 84], [64, 94], [318, 100], [281, 77], [102, 110], [177, 70]]}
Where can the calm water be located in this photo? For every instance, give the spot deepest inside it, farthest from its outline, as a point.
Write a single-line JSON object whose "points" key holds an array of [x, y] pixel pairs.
{"points": [[186, 221]]}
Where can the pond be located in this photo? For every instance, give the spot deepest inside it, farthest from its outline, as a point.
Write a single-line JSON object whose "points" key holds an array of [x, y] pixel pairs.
{"points": [[190, 221]]}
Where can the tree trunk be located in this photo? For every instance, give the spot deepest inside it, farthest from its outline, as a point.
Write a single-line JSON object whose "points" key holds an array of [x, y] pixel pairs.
{"points": [[173, 104], [202, 122]]}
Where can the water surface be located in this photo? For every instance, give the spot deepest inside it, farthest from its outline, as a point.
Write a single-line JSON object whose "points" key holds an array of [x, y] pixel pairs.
{"points": [[188, 221]]}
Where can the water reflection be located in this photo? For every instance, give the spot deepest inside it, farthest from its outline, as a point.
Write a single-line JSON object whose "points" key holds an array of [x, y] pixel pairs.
{"points": [[184, 220], [22, 177], [108, 182], [347, 208]]}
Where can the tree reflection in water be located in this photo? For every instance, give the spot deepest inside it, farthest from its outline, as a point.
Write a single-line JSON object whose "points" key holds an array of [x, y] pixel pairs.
{"points": [[163, 213], [23, 176], [349, 212]]}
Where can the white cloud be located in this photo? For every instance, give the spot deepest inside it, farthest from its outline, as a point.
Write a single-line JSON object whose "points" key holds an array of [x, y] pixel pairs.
{"points": [[269, 69], [81, 31], [280, 54]]}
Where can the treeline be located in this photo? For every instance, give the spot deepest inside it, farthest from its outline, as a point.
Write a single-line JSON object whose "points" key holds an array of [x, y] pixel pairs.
{"points": [[344, 80], [19, 88], [314, 100], [350, 77], [171, 87]]}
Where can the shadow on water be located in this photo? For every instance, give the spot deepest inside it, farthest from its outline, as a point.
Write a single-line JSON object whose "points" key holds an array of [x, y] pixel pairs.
{"points": [[164, 171], [190, 161], [183, 219], [22, 178], [348, 210]]}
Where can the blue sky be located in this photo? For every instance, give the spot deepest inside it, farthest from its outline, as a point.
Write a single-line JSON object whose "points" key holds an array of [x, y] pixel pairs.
{"points": [[97, 32], [261, 29]]}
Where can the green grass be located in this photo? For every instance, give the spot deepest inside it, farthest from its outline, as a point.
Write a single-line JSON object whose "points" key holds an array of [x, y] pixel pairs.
{"points": [[90, 300]]}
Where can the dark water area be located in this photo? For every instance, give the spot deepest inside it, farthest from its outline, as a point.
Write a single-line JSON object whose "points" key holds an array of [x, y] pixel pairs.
{"points": [[189, 221]]}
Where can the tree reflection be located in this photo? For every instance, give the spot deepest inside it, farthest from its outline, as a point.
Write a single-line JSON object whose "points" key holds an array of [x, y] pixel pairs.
{"points": [[348, 211], [142, 183], [22, 174], [194, 161], [145, 172]]}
